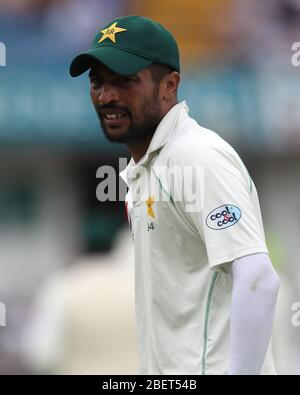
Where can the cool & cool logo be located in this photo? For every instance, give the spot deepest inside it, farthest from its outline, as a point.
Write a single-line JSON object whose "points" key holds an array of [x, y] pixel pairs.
{"points": [[223, 217]]}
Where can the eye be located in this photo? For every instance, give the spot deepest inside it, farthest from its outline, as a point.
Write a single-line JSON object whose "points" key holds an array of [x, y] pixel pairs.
{"points": [[125, 80]]}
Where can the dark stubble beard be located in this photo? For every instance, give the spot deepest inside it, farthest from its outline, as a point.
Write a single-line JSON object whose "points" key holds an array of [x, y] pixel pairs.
{"points": [[137, 131]]}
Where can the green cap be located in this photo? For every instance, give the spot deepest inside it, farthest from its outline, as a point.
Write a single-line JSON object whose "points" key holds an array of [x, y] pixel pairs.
{"points": [[128, 45]]}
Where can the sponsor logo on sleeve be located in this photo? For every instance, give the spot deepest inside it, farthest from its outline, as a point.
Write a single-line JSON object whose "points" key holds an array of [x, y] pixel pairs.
{"points": [[223, 217]]}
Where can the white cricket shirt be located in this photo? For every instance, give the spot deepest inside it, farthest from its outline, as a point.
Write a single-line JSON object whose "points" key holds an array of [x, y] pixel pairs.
{"points": [[184, 245]]}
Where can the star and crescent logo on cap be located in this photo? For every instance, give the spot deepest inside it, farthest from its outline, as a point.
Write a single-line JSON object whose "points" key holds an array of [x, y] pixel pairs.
{"points": [[111, 32]]}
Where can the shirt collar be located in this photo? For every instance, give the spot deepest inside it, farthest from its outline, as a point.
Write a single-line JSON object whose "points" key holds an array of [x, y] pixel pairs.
{"points": [[160, 137]]}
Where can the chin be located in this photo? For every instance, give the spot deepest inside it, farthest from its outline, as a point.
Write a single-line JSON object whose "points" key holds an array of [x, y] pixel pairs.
{"points": [[116, 136]]}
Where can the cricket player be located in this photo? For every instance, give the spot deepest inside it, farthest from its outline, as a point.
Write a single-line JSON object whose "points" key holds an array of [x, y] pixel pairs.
{"points": [[205, 287]]}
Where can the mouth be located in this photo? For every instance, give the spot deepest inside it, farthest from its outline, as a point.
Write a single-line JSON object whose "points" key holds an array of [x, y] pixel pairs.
{"points": [[114, 118]]}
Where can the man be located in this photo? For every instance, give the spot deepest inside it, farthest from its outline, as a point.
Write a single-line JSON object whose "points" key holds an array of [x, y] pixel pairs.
{"points": [[205, 287]]}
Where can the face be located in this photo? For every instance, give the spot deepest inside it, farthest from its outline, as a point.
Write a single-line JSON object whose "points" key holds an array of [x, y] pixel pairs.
{"points": [[128, 107]]}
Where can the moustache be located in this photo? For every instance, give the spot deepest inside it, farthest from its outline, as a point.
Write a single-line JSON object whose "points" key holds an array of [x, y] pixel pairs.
{"points": [[110, 107]]}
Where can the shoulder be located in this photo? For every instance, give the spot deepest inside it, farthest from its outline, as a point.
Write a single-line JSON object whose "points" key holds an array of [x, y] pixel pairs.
{"points": [[193, 144]]}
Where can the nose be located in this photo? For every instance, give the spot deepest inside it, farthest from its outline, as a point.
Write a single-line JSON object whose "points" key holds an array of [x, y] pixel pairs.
{"points": [[107, 94]]}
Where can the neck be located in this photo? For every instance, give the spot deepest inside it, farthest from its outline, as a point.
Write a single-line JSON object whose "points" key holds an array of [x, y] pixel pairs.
{"points": [[139, 148]]}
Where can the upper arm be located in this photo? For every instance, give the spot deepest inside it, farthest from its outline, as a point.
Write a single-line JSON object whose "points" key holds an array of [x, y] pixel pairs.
{"points": [[227, 215]]}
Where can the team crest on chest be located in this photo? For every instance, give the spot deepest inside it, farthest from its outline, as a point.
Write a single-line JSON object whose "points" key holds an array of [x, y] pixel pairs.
{"points": [[149, 204], [150, 213]]}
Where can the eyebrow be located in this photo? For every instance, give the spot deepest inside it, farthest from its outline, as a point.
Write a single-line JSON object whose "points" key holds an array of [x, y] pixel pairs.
{"points": [[94, 73]]}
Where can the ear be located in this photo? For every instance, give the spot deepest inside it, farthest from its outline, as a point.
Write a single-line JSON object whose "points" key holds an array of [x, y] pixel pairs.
{"points": [[169, 85]]}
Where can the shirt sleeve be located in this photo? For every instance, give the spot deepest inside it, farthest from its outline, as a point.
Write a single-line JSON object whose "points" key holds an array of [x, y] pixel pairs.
{"points": [[225, 211], [253, 301]]}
